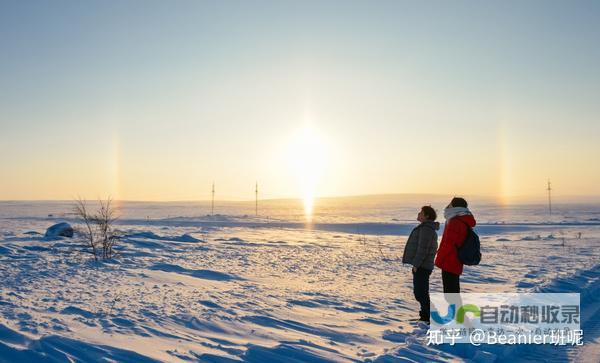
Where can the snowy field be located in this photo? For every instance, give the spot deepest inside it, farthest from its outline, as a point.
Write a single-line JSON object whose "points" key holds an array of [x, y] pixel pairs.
{"points": [[190, 287]]}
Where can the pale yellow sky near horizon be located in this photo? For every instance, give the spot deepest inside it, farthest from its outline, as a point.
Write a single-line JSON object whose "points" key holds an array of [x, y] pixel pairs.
{"points": [[170, 178]]}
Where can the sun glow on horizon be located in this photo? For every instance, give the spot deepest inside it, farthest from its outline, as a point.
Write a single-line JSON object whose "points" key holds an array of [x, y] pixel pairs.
{"points": [[307, 159]]}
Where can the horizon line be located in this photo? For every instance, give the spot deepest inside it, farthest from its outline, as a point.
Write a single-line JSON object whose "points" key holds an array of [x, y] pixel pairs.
{"points": [[496, 198]]}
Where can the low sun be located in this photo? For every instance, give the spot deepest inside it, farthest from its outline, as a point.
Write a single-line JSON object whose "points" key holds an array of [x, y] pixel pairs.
{"points": [[307, 160]]}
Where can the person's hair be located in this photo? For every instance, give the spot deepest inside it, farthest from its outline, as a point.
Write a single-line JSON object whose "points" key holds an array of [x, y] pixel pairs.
{"points": [[429, 212], [459, 202]]}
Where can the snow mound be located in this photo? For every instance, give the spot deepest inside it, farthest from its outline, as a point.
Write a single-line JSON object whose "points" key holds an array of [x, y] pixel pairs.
{"points": [[186, 237], [63, 229], [16, 347], [201, 274]]}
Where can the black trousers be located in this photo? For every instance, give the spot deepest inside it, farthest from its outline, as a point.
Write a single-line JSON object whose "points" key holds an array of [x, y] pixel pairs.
{"points": [[421, 290], [451, 282]]}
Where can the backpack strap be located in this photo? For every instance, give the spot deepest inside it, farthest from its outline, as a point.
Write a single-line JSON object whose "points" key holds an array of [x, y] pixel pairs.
{"points": [[466, 224], [468, 229]]}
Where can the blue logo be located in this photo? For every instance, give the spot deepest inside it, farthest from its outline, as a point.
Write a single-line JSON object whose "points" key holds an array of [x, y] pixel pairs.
{"points": [[460, 316]]}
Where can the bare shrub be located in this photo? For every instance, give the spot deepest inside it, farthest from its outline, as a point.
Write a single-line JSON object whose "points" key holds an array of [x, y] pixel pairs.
{"points": [[98, 228]]}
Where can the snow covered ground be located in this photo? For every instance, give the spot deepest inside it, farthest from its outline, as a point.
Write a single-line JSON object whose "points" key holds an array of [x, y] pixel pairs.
{"points": [[236, 288]]}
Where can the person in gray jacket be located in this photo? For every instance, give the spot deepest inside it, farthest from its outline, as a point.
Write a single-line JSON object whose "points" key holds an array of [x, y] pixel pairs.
{"points": [[419, 252]]}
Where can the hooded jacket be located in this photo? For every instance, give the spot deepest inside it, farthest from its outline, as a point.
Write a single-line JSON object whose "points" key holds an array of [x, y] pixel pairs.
{"points": [[421, 245], [455, 232]]}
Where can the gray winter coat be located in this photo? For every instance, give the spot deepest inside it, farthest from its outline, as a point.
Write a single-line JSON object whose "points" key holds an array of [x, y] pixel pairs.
{"points": [[421, 245]]}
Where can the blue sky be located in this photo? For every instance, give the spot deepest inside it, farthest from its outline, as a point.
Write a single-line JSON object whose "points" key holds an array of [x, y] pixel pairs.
{"points": [[154, 100]]}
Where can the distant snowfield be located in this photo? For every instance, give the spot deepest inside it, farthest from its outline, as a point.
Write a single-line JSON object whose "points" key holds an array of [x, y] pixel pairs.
{"points": [[239, 289]]}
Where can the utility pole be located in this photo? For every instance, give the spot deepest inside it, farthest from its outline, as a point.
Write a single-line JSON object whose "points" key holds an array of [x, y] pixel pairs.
{"points": [[256, 200], [212, 204], [549, 197]]}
